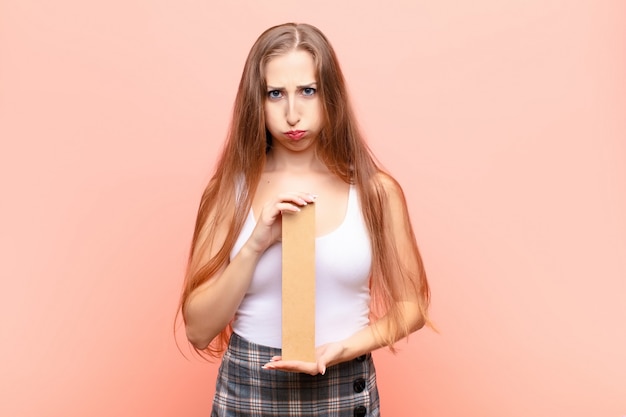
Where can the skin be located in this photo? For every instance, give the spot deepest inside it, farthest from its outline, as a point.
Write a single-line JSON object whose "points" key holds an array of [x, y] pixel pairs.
{"points": [[293, 177]]}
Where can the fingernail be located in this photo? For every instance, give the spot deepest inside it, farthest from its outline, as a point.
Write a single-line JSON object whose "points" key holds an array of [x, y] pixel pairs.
{"points": [[323, 370]]}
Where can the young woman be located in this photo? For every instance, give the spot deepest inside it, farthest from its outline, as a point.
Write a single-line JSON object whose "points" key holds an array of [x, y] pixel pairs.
{"points": [[294, 141]]}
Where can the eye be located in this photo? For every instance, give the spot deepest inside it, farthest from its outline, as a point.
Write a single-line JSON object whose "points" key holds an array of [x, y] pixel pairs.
{"points": [[274, 94], [309, 91]]}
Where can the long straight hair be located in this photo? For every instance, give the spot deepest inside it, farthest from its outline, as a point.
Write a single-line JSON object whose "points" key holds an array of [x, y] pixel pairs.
{"points": [[340, 145]]}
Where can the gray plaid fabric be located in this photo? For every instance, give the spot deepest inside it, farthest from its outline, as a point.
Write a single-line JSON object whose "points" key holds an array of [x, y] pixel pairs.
{"points": [[245, 389]]}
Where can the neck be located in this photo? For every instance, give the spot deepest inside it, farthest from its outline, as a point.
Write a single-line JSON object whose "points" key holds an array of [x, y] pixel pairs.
{"points": [[280, 159]]}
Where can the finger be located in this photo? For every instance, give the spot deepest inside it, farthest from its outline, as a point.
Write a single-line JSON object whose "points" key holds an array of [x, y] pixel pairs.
{"points": [[290, 207], [293, 366], [321, 367], [300, 198], [308, 197], [322, 363]]}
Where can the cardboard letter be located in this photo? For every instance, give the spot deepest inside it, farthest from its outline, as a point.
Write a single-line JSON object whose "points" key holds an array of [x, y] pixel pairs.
{"points": [[299, 285]]}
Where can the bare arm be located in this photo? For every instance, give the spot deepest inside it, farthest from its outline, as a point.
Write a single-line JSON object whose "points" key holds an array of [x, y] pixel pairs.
{"points": [[370, 337], [213, 304]]}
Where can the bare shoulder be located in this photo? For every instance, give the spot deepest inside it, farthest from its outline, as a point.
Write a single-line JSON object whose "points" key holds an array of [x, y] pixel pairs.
{"points": [[390, 187]]}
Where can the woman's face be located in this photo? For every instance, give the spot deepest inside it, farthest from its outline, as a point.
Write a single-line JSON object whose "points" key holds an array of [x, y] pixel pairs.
{"points": [[293, 111]]}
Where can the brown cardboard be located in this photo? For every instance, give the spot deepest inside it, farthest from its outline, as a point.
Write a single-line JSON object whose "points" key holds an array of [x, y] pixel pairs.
{"points": [[299, 285]]}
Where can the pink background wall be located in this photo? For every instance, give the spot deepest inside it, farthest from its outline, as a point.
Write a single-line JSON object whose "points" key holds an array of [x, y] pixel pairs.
{"points": [[504, 121]]}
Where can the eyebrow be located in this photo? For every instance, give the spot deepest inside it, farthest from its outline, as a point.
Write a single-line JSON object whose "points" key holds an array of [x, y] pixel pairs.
{"points": [[309, 85]]}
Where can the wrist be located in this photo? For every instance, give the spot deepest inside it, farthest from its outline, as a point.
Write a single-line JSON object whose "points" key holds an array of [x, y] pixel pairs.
{"points": [[252, 250], [359, 344]]}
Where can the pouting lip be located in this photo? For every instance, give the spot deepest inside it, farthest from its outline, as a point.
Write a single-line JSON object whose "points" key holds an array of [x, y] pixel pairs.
{"points": [[295, 134]]}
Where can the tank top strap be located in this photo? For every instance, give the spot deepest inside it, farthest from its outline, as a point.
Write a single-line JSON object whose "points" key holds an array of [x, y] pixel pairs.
{"points": [[353, 211]]}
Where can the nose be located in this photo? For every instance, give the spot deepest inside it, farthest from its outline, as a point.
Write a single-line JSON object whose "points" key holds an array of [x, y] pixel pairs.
{"points": [[293, 115]]}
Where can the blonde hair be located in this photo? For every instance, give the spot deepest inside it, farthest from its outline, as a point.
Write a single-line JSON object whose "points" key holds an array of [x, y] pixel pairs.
{"points": [[340, 146]]}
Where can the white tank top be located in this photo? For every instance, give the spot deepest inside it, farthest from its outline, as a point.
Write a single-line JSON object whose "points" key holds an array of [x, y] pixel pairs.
{"points": [[343, 261]]}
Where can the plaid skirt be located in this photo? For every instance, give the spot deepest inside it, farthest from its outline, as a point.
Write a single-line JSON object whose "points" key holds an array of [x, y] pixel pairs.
{"points": [[245, 389]]}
